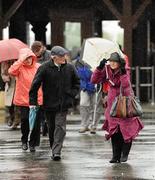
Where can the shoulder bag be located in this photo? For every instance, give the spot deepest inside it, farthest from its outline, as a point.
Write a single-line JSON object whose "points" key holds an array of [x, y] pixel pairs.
{"points": [[126, 106]]}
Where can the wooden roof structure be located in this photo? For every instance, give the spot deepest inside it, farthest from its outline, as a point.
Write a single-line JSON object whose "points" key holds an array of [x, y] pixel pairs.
{"points": [[128, 12]]}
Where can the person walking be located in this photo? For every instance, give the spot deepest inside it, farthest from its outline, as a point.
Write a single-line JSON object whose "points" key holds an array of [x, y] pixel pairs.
{"points": [[60, 84], [42, 55], [41, 52], [24, 70], [121, 130], [12, 115], [90, 98]]}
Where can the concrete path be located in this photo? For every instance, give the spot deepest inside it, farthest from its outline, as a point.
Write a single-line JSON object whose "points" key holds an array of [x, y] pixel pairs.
{"points": [[84, 157]]}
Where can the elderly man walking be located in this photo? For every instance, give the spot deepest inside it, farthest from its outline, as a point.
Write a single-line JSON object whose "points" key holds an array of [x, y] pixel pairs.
{"points": [[60, 84]]}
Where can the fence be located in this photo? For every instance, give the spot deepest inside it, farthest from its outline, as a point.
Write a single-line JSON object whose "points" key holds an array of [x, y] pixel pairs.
{"points": [[150, 72]]}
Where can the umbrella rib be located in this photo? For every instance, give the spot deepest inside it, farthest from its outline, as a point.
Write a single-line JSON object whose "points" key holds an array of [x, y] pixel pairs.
{"points": [[100, 56]]}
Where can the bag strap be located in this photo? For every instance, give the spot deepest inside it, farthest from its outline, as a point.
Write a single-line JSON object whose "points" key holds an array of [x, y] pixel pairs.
{"points": [[130, 85], [121, 89], [107, 76]]}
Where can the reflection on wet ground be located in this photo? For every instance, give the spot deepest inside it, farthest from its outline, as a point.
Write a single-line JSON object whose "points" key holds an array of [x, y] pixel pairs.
{"points": [[84, 157]]}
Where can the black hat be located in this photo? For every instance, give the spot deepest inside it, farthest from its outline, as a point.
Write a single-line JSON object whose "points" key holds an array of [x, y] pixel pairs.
{"points": [[115, 57], [59, 51]]}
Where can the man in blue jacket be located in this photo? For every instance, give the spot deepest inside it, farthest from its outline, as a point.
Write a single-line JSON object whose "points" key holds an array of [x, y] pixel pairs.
{"points": [[90, 106]]}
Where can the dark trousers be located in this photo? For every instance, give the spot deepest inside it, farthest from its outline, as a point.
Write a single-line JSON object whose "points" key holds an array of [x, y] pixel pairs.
{"points": [[35, 134], [56, 122], [119, 147]]}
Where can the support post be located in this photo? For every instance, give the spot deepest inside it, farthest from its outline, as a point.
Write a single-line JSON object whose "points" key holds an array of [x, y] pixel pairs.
{"points": [[127, 21]]}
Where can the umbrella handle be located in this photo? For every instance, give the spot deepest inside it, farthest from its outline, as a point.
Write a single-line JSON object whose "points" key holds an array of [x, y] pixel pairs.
{"points": [[96, 101]]}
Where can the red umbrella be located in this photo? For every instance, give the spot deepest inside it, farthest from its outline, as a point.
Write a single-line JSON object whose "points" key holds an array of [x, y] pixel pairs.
{"points": [[9, 49]]}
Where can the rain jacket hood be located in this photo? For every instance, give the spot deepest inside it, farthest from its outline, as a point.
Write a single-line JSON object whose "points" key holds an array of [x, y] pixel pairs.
{"points": [[26, 52]]}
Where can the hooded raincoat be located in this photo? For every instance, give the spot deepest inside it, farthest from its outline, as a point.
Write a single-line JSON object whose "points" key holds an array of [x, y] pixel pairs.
{"points": [[24, 76], [129, 127]]}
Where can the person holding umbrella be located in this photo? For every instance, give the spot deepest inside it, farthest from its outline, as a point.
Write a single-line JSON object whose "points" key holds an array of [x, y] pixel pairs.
{"points": [[9, 51], [12, 115], [24, 70], [60, 84], [121, 130]]}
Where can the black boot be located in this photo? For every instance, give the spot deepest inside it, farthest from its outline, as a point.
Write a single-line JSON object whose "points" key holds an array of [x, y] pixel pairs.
{"points": [[113, 160], [116, 154], [125, 151], [117, 142]]}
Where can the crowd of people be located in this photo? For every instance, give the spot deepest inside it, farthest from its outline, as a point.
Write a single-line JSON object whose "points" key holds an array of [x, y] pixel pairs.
{"points": [[50, 82]]}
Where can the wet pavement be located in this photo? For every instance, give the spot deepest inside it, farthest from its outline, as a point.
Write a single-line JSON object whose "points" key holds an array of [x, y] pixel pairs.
{"points": [[84, 156]]}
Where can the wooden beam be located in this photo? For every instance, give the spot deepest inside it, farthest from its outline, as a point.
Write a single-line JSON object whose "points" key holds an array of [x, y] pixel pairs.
{"points": [[113, 9], [128, 43], [57, 27], [1, 20], [139, 12], [127, 10], [11, 11], [1, 31], [128, 21]]}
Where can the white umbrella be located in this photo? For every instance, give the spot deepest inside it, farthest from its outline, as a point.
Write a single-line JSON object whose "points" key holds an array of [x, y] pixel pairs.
{"points": [[95, 49]]}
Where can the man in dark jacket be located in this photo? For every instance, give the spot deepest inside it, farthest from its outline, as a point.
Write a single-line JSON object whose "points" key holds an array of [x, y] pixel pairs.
{"points": [[60, 84], [41, 52]]}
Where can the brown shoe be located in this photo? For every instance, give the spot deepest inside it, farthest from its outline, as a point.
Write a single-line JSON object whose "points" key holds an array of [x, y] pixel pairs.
{"points": [[83, 130], [93, 131], [14, 127], [10, 122]]}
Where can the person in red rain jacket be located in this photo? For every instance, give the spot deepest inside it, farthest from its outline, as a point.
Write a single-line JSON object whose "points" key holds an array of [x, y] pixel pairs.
{"points": [[24, 70]]}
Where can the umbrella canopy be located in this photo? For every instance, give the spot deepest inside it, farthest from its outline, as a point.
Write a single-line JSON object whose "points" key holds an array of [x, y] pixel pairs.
{"points": [[32, 117], [9, 49], [95, 49]]}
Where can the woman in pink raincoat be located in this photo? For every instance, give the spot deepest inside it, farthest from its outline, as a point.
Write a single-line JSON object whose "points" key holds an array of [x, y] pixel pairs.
{"points": [[121, 131], [24, 70]]}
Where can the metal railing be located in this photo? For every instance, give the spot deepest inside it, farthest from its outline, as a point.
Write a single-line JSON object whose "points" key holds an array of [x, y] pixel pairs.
{"points": [[150, 72]]}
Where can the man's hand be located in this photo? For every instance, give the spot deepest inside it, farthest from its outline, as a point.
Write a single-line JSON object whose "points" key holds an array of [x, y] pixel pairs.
{"points": [[32, 106]]}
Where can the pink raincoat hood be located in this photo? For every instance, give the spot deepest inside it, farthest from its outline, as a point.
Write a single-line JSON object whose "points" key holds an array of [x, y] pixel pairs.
{"points": [[27, 52]]}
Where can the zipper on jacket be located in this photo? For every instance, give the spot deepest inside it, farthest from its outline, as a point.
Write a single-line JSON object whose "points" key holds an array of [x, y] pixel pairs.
{"points": [[60, 90]]}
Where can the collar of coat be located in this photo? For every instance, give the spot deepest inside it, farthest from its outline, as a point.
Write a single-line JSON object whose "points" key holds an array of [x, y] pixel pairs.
{"points": [[53, 65]]}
